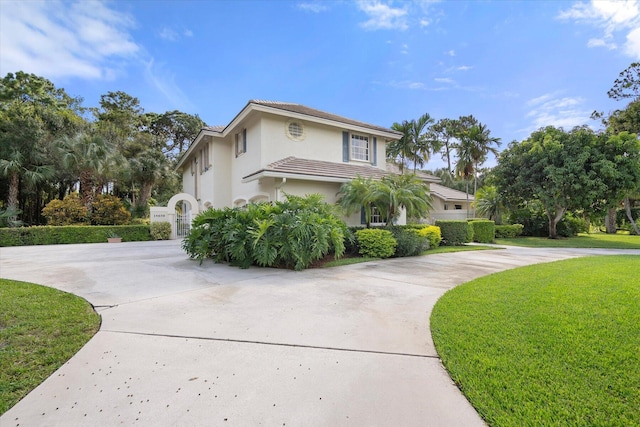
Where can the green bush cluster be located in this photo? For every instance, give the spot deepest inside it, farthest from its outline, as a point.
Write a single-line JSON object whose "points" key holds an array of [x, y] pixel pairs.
{"points": [[54, 235], [432, 233], [107, 209], [484, 231], [292, 234], [376, 243], [508, 231], [409, 241], [455, 233], [68, 211], [160, 230], [535, 222]]}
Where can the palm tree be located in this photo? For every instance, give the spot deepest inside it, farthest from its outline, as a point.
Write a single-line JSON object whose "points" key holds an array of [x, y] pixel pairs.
{"points": [[444, 134], [357, 194], [89, 156], [422, 145], [476, 142], [146, 169], [488, 203], [396, 192], [403, 147], [464, 165]]}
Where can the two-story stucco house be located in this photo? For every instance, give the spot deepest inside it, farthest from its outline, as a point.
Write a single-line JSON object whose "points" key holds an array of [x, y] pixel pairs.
{"points": [[273, 148]]}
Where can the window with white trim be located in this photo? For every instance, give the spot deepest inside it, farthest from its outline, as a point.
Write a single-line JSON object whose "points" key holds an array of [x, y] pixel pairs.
{"points": [[376, 216], [359, 147], [241, 143]]}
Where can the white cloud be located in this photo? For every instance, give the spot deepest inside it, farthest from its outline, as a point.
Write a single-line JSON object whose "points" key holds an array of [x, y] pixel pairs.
{"points": [[551, 110], [444, 80], [405, 49], [315, 7], [57, 39], [464, 67], [164, 81], [168, 34], [451, 52], [188, 33], [615, 19], [424, 22], [382, 16]]}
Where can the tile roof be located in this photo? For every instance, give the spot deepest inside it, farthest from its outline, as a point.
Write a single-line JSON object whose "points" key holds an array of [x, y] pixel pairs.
{"points": [[217, 128], [301, 109], [447, 193], [394, 168], [321, 169]]}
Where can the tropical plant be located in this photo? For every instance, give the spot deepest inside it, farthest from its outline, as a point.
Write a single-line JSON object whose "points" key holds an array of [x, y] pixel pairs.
{"points": [[396, 192], [488, 203], [108, 209], [68, 211], [357, 195]]}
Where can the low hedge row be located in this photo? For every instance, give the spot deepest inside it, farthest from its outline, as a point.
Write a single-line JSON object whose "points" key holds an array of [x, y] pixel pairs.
{"points": [[455, 233], [508, 231], [50, 235], [484, 230]]}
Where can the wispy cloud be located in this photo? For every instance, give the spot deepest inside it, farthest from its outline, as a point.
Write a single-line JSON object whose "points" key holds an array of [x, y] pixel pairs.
{"points": [[314, 6], [451, 52], [618, 23], [164, 81], [382, 16], [551, 109], [444, 80], [84, 39], [405, 49], [172, 35]]}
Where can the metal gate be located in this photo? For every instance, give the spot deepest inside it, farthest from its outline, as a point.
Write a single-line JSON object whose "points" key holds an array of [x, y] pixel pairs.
{"points": [[183, 223]]}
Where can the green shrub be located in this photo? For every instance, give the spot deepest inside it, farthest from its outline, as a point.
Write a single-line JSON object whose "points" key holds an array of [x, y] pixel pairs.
{"points": [[454, 232], [534, 219], [109, 210], [484, 230], [409, 242], [292, 234], [53, 235], [160, 230], [432, 233], [68, 211], [508, 231], [376, 243]]}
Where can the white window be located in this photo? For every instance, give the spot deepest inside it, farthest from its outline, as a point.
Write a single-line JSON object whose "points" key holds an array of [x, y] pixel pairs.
{"points": [[376, 216], [241, 142], [205, 161], [359, 147]]}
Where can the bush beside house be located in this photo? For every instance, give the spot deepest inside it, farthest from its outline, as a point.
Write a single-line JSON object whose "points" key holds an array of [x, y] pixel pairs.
{"points": [[54, 235], [376, 243], [483, 230], [454, 232]]}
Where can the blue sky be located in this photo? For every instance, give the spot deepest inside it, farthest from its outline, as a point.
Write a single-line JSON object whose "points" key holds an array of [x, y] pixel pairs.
{"points": [[516, 66]]}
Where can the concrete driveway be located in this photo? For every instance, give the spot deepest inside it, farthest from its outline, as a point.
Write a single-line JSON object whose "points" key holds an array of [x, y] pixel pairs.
{"points": [[187, 344]]}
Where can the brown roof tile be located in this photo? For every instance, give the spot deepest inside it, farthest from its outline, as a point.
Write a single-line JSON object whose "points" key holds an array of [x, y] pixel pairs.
{"points": [[301, 109], [319, 168]]}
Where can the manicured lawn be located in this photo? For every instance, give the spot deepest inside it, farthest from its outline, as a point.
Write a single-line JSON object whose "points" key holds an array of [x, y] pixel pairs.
{"points": [[438, 250], [549, 344], [600, 240], [40, 329]]}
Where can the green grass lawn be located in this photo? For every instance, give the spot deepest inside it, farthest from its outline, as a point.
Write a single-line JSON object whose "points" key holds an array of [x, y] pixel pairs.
{"points": [[600, 240], [549, 344], [40, 329]]}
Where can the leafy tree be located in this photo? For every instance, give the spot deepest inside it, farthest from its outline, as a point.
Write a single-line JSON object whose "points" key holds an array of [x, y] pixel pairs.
{"points": [[146, 169], [475, 144], [444, 132], [627, 85], [174, 131], [32, 113], [563, 170]]}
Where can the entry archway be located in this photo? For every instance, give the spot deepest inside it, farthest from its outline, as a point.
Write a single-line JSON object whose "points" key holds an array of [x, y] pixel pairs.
{"points": [[181, 221]]}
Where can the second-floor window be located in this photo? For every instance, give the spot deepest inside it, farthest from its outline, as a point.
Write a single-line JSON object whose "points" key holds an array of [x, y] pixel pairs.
{"points": [[359, 147], [241, 142]]}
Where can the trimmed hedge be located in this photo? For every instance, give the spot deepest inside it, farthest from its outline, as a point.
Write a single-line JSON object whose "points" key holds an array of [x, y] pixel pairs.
{"points": [[508, 231], [432, 233], [160, 230], [484, 230], [409, 241], [454, 233], [50, 235], [376, 243]]}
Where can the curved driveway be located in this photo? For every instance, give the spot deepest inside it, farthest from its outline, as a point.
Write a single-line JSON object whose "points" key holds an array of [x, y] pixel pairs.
{"points": [[186, 344]]}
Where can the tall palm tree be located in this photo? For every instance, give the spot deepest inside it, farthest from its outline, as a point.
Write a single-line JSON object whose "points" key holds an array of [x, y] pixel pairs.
{"points": [[478, 143], [89, 156], [146, 169], [423, 146], [403, 147]]}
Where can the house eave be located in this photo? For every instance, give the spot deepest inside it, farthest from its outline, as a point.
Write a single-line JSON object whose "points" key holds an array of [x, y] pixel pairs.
{"points": [[303, 177]]}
